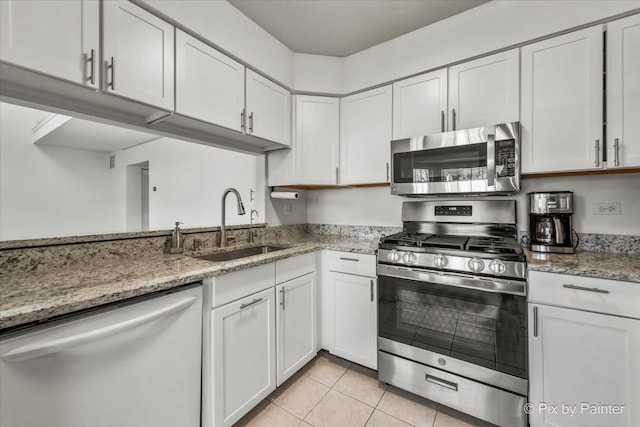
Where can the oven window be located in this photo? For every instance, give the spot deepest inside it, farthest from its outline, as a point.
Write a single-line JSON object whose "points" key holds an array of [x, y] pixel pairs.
{"points": [[447, 164], [484, 328]]}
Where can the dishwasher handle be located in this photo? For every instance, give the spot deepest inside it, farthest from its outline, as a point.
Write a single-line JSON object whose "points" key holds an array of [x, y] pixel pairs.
{"points": [[33, 351]]}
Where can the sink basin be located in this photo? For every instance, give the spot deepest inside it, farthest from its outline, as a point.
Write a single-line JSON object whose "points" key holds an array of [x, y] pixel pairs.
{"points": [[242, 252]]}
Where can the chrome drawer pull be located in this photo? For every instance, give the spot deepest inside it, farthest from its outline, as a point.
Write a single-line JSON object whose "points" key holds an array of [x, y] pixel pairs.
{"points": [[581, 288], [535, 321], [349, 259], [442, 383], [255, 301]]}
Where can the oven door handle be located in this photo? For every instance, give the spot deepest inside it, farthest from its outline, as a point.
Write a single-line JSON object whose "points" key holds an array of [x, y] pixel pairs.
{"points": [[486, 284], [491, 160]]}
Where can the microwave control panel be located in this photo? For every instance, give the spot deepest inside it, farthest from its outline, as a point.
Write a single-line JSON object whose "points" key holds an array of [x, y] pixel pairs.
{"points": [[505, 158]]}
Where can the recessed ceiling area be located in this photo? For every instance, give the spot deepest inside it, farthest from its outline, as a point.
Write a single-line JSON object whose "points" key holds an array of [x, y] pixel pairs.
{"points": [[344, 27]]}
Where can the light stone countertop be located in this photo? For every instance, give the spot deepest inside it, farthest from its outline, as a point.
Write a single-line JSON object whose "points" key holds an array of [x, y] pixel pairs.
{"points": [[26, 298], [600, 265]]}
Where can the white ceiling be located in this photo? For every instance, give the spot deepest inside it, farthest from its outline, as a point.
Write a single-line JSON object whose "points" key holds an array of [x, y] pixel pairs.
{"points": [[343, 27]]}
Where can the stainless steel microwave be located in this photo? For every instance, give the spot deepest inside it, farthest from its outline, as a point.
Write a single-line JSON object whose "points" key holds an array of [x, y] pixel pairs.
{"points": [[476, 161]]}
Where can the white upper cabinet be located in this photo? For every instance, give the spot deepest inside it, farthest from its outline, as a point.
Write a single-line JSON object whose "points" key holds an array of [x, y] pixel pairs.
{"points": [[623, 92], [59, 38], [268, 109], [365, 135], [138, 54], [317, 139], [209, 84], [485, 92], [420, 105], [562, 102]]}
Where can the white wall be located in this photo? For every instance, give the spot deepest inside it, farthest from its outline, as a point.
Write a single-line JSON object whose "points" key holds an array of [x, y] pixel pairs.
{"points": [[318, 73], [232, 31], [491, 26], [50, 191], [376, 206], [190, 179]]}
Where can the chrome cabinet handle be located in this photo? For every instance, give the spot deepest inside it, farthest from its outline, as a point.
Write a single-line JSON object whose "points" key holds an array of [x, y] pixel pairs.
{"points": [[282, 300], [349, 259], [92, 67], [251, 122], [581, 288], [387, 171], [249, 304], [491, 160], [371, 290], [442, 120], [337, 175], [242, 120], [442, 383], [616, 152], [112, 67], [597, 153], [453, 113], [535, 321]]}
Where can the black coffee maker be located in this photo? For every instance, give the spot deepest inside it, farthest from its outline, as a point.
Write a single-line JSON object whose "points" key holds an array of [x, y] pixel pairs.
{"points": [[550, 224]]}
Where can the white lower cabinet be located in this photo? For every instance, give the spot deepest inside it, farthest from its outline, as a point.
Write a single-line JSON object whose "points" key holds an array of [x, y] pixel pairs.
{"points": [[295, 325], [259, 329], [349, 308], [244, 354], [584, 369]]}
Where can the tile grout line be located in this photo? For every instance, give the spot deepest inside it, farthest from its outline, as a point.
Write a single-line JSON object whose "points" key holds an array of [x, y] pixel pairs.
{"points": [[325, 395]]}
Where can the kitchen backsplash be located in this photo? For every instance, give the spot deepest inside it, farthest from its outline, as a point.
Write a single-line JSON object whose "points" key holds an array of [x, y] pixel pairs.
{"points": [[69, 252]]}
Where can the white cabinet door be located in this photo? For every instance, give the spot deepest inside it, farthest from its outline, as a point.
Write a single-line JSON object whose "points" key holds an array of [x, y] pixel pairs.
{"points": [[317, 139], [562, 103], [59, 38], [485, 92], [138, 54], [268, 109], [577, 358], [244, 355], [365, 135], [623, 92], [420, 105], [356, 328], [296, 325], [209, 84]]}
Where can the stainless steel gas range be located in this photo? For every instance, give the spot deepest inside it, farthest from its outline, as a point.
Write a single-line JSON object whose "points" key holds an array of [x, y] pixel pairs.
{"points": [[452, 319]]}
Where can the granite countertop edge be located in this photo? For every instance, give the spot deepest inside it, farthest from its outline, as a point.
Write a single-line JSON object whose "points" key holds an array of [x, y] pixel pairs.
{"points": [[39, 297]]}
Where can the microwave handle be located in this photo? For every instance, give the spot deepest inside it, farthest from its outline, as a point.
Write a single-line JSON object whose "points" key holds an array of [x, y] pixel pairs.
{"points": [[491, 160]]}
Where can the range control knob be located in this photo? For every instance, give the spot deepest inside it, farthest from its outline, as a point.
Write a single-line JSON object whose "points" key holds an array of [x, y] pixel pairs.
{"points": [[394, 256], [476, 264], [497, 267], [440, 261], [409, 258]]}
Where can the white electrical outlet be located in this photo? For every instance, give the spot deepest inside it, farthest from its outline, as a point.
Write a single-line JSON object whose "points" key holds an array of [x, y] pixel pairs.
{"points": [[613, 208], [288, 209]]}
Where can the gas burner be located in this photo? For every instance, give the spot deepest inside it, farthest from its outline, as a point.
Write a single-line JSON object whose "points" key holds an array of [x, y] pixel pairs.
{"points": [[406, 239], [493, 245]]}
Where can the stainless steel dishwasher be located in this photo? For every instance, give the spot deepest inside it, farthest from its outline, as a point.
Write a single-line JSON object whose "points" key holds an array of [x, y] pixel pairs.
{"points": [[135, 364]]}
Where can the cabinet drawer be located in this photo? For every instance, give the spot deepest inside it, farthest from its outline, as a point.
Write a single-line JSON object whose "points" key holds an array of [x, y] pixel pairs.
{"points": [[290, 268], [239, 284], [352, 263], [585, 293]]}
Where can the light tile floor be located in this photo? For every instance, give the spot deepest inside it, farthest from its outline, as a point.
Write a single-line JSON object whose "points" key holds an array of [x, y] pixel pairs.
{"points": [[331, 392]]}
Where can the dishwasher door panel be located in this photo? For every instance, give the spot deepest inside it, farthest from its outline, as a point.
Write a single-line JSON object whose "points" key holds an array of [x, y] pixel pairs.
{"points": [[136, 365]]}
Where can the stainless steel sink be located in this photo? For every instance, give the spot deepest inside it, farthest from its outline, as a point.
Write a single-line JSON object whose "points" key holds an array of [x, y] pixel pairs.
{"points": [[242, 252]]}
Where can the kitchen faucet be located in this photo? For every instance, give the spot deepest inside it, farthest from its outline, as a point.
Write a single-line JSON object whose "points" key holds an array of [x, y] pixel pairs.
{"points": [[223, 227]]}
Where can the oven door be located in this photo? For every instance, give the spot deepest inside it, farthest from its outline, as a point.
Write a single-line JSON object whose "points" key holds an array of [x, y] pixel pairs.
{"points": [[470, 326], [480, 160]]}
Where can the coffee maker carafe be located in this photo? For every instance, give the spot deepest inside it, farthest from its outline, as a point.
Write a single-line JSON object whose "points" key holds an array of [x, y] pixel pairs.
{"points": [[550, 224]]}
